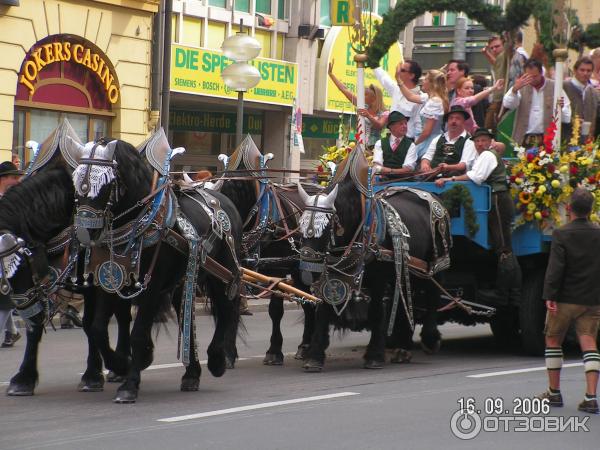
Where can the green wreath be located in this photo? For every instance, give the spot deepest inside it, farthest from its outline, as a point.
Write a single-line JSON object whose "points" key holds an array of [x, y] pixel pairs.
{"points": [[457, 196], [490, 16]]}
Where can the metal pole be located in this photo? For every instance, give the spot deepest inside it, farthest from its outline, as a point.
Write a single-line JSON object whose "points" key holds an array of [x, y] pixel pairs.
{"points": [[166, 75], [240, 118], [158, 33], [460, 38], [560, 55], [360, 91]]}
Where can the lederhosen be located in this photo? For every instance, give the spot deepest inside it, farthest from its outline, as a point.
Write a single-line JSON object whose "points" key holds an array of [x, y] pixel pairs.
{"points": [[395, 159], [449, 153], [502, 209]]}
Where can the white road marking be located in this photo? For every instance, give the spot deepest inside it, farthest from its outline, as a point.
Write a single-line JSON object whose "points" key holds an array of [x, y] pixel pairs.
{"points": [[221, 412], [178, 364], [4, 383], [510, 372]]}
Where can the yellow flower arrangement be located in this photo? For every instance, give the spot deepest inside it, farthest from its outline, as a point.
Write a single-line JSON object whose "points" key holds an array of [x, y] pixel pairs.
{"points": [[543, 179]]}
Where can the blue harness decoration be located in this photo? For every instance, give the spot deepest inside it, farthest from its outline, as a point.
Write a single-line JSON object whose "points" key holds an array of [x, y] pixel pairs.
{"points": [[187, 331]]}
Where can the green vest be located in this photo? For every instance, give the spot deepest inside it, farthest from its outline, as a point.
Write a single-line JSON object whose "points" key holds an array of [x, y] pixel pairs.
{"points": [[391, 159], [448, 156], [497, 179]]}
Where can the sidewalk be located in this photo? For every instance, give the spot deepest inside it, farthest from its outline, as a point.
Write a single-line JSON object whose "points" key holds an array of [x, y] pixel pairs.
{"points": [[254, 305]]}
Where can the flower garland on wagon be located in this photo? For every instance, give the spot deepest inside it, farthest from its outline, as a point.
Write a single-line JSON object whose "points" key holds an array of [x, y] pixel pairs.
{"points": [[543, 178]]}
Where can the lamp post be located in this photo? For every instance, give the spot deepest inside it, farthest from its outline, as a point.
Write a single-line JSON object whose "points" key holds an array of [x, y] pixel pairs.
{"points": [[240, 76]]}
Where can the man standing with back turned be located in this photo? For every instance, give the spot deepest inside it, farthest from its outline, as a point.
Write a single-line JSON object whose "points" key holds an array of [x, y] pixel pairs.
{"points": [[572, 293]]}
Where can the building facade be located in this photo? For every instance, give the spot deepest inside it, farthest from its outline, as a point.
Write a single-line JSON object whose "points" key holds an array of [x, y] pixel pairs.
{"points": [[85, 60]]}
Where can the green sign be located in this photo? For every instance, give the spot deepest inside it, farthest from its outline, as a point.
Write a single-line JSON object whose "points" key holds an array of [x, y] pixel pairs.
{"points": [[213, 122], [316, 127]]}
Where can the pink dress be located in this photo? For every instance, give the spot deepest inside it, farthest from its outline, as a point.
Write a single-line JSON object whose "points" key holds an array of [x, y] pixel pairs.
{"points": [[467, 103]]}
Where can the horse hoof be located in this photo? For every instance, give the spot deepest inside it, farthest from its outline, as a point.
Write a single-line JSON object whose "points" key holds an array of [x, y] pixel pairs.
{"points": [[313, 366], [91, 386], [190, 384], [229, 362], [216, 364], [401, 356], [273, 359], [20, 390], [112, 377], [302, 352], [433, 348], [372, 364], [125, 396]]}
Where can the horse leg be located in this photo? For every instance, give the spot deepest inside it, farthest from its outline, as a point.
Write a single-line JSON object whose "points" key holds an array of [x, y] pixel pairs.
{"points": [[92, 379], [231, 332], [113, 361], [309, 328], [274, 356], [225, 311], [375, 354], [401, 339], [430, 335], [23, 383], [122, 311], [319, 341]]}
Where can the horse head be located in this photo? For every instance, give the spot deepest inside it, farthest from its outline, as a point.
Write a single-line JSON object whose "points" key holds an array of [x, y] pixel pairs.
{"points": [[110, 179]]}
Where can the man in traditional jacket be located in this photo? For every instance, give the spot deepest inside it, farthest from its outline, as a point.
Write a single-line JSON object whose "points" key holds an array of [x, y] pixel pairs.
{"points": [[582, 95], [452, 152], [532, 96], [572, 294], [396, 153]]}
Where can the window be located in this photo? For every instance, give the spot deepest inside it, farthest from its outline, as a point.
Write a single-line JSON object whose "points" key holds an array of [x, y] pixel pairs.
{"points": [[263, 6], [325, 13], [192, 31], [242, 5], [383, 6], [450, 18], [18, 143], [219, 3], [281, 9]]}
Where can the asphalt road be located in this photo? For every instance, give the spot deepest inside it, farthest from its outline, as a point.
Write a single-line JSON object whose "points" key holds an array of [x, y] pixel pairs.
{"points": [[408, 406]]}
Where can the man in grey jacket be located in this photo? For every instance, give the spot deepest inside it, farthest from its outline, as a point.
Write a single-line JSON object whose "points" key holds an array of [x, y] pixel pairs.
{"points": [[572, 294]]}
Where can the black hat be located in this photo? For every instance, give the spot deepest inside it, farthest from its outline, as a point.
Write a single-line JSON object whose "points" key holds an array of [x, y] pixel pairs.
{"points": [[457, 109], [395, 116], [7, 168], [483, 132]]}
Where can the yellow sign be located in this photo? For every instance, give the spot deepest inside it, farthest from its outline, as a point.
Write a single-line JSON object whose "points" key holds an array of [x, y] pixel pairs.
{"points": [[198, 71], [338, 48], [342, 12], [46, 54]]}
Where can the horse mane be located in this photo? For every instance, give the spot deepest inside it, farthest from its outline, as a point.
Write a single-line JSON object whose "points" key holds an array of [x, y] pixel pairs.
{"points": [[39, 207], [242, 194], [134, 176], [348, 207]]}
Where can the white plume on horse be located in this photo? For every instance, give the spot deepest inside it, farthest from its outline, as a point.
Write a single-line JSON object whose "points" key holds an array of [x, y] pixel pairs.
{"points": [[96, 175], [34, 146], [177, 151], [224, 159], [320, 219]]}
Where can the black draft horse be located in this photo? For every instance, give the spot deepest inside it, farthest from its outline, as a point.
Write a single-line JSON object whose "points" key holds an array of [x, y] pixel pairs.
{"points": [[122, 197], [333, 220], [269, 249], [36, 211]]}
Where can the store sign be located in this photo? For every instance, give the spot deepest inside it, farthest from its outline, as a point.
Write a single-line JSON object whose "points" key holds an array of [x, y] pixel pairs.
{"points": [[213, 122], [42, 56], [338, 49], [315, 127], [198, 71], [342, 12]]}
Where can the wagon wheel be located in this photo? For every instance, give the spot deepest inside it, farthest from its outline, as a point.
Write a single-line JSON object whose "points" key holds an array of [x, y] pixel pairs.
{"points": [[532, 312]]}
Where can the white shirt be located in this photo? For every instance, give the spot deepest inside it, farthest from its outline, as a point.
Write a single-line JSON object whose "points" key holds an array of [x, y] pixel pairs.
{"points": [[536, 114], [523, 52], [483, 166], [400, 103], [469, 154], [410, 160]]}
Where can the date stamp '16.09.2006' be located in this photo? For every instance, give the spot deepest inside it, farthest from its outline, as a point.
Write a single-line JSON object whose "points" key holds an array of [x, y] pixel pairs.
{"points": [[495, 414]]}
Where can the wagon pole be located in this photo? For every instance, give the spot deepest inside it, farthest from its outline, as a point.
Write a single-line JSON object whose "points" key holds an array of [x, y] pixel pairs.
{"points": [[561, 37]]}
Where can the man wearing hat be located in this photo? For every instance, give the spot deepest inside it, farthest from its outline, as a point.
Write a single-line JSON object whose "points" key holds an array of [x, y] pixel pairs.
{"points": [[489, 169], [9, 176], [453, 151], [396, 153]]}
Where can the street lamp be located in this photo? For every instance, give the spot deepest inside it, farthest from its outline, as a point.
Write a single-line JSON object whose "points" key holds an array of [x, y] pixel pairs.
{"points": [[240, 76]]}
